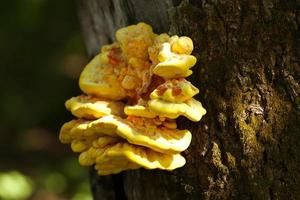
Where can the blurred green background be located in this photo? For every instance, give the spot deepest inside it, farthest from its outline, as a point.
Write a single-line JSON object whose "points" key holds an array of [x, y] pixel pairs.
{"points": [[42, 54]]}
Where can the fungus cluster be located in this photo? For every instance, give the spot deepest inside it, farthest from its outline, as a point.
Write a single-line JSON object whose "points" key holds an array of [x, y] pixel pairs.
{"points": [[134, 89]]}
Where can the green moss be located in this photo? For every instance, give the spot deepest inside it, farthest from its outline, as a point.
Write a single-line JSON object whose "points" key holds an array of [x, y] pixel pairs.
{"points": [[217, 160], [231, 160]]}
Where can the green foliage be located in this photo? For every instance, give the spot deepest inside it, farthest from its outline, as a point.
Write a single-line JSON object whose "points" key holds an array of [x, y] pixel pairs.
{"points": [[15, 186], [42, 53]]}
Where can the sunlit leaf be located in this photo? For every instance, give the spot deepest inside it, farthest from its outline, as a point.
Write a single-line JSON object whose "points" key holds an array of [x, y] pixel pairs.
{"points": [[15, 186]]}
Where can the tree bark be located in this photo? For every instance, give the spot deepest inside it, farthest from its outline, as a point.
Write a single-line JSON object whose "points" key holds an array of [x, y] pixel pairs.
{"points": [[248, 144]]}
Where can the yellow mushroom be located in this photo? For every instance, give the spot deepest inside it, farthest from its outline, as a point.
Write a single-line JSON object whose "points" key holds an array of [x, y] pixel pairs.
{"points": [[99, 79], [146, 134], [170, 124], [64, 134], [135, 40], [173, 65], [142, 156], [88, 158], [124, 70], [89, 107], [158, 138], [100, 144], [141, 109], [80, 145], [155, 48], [175, 91], [81, 129], [181, 45], [116, 156], [192, 109], [106, 49], [105, 140]]}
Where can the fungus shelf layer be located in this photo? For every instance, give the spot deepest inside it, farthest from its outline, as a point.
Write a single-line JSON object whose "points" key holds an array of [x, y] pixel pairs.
{"points": [[134, 90]]}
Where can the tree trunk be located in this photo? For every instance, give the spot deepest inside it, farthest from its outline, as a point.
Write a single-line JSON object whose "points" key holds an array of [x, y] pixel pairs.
{"points": [[247, 146]]}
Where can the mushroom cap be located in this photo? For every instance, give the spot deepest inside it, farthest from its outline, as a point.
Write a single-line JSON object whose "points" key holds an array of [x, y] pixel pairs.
{"points": [[149, 135], [192, 109], [83, 129], [154, 49], [173, 65], [80, 145], [64, 134], [135, 40], [103, 141], [100, 144], [114, 156], [155, 137], [98, 78], [181, 45], [88, 157], [175, 91], [139, 110], [90, 107]]}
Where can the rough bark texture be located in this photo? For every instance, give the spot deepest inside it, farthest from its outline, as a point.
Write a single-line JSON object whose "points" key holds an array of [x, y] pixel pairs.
{"points": [[248, 144]]}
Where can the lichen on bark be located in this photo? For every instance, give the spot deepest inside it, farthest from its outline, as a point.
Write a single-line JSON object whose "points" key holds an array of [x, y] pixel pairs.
{"points": [[248, 49]]}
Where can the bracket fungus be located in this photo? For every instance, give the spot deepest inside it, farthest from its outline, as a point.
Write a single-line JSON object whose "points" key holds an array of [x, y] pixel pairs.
{"points": [[134, 89]]}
